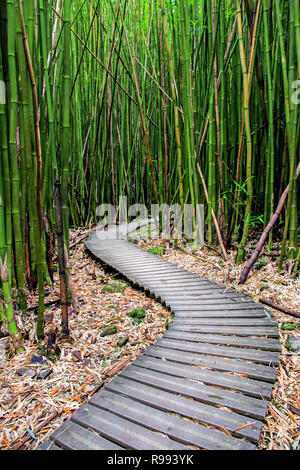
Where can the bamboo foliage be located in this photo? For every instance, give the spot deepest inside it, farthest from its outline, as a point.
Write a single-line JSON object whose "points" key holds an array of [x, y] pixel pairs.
{"points": [[108, 99]]}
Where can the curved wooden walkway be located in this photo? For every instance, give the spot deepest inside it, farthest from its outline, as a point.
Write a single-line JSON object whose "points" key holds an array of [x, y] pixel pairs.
{"points": [[205, 383]]}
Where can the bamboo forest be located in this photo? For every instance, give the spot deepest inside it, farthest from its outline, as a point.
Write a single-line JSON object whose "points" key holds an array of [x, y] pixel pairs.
{"points": [[122, 342]]}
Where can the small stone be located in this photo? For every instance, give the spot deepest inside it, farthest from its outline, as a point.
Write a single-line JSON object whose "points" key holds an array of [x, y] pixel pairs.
{"points": [[122, 341], [293, 344], [38, 360], [44, 374], [76, 356], [26, 372], [109, 330]]}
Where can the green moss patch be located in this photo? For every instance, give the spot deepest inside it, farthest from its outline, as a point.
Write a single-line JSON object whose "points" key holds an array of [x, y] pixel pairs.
{"points": [[113, 288], [138, 315]]}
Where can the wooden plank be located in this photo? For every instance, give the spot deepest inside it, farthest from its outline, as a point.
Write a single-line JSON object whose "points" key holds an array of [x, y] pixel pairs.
{"points": [[123, 256], [260, 343], [139, 263], [217, 300], [152, 267], [211, 306], [172, 277], [186, 282], [122, 431], [48, 445], [242, 322], [155, 285], [206, 394], [196, 294], [166, 277], [231, 330], [189, 408], [208, 298], [251, 387], [255, 371], [160, 289], [167, 271], [204, 295], [218, 313], [173, 426], [157, 274], [202, 288], [267, 358], [71, 436]]}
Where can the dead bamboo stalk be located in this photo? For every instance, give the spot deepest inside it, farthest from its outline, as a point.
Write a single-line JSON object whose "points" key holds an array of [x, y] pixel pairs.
{"points": [[281, 309], [266, 232]]}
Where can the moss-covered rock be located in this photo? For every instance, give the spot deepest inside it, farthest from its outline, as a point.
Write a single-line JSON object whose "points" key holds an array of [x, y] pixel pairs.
{"points": [[138, 315], [109, 330], [122, 341], [113, 288]]}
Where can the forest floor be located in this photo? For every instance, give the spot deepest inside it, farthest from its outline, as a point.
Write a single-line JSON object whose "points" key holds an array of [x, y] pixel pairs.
{"points": [[38, 393]]}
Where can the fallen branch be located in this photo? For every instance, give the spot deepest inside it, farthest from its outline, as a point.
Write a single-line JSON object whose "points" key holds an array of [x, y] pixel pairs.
{"points": [[111, 372], [281, 309], [204, 260], [266, 232], [76, 242], [24, 438], [293, 409]]}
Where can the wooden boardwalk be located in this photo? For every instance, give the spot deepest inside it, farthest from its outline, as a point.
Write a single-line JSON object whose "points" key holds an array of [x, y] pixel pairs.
{"points": [[205, 383]]}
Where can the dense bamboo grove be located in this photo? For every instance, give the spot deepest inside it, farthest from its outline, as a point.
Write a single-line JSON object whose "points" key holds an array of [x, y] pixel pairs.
{"points": [[160, 101]]}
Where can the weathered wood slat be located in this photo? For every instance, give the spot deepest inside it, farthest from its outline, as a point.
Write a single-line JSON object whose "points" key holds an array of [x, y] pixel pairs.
{"points": [[164, 279], [209, 305], [255, 371], [123, 432], [254, 355], [231, 330], [240, 403], [242, 322], [201, 298], [71, 436], [48, 445], [208, 297], [228, 381], [204, 295], [166, 273], [171, 425], [218, 313], [185, 407], [260, 343]]}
